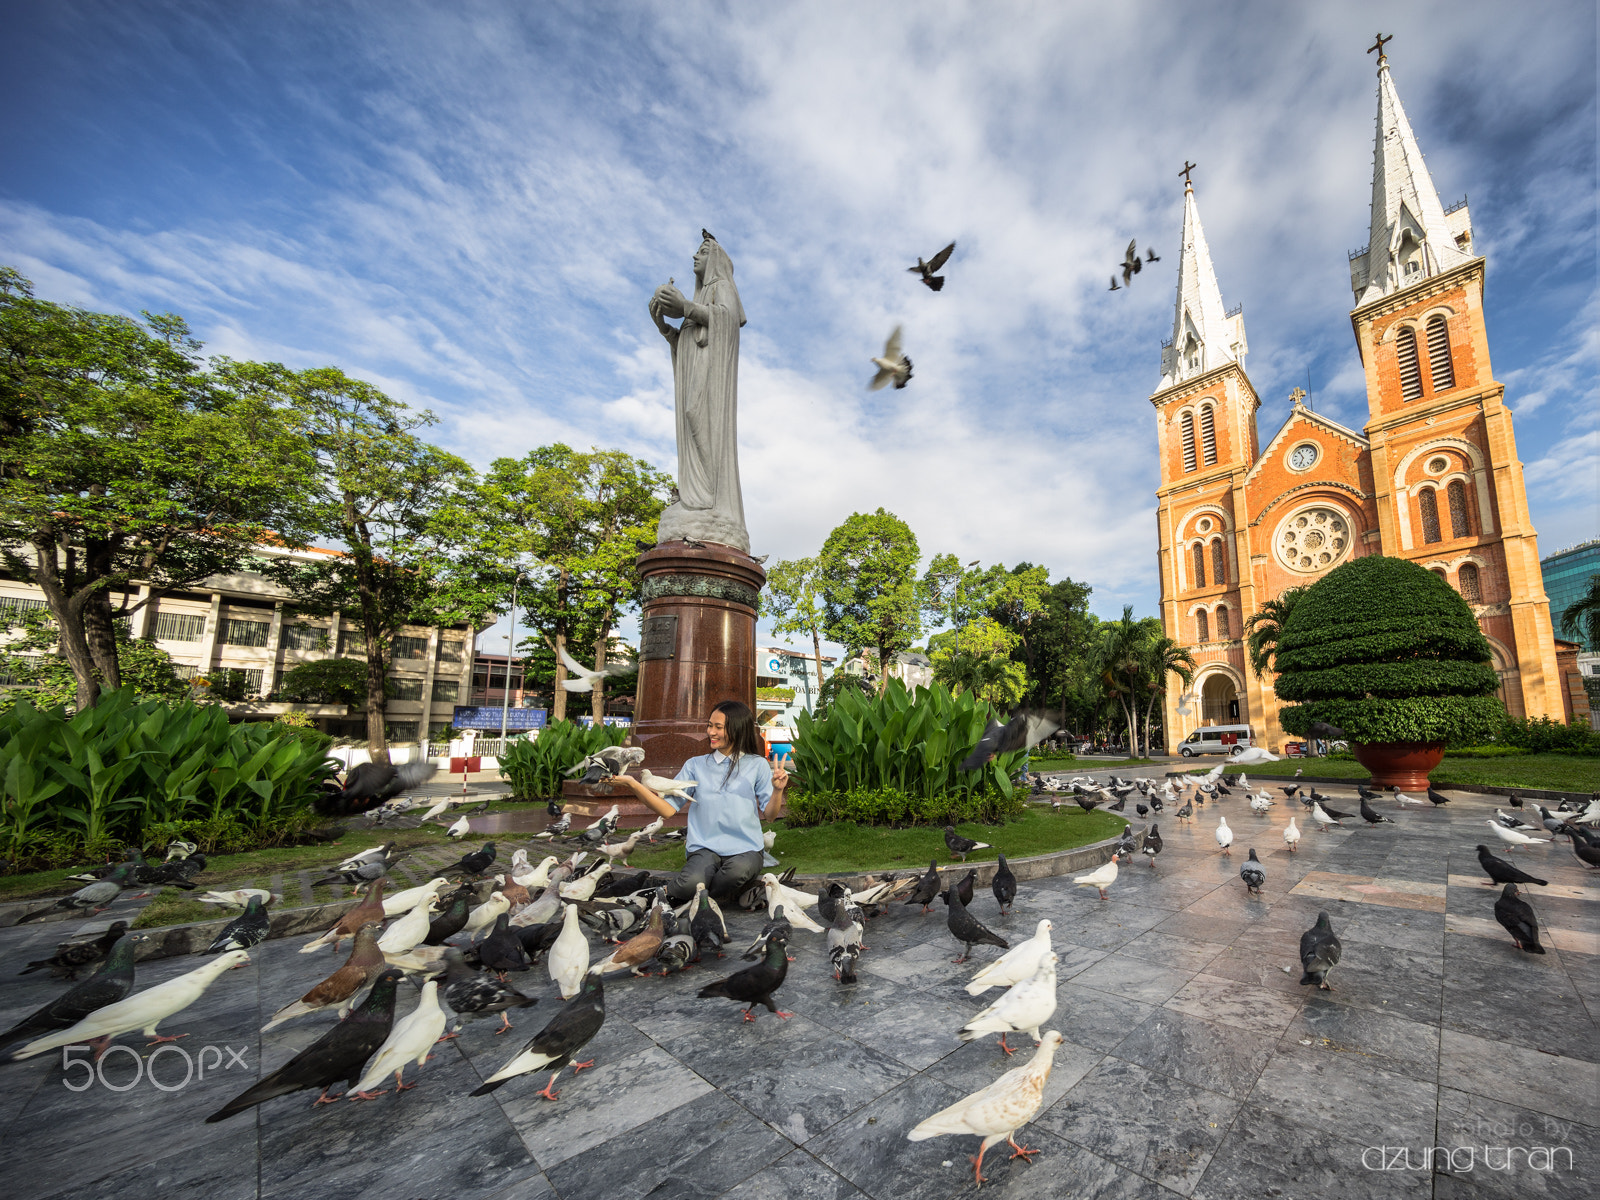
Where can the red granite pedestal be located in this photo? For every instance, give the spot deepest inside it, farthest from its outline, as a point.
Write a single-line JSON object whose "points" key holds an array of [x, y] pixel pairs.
{"points": [[697, 648]]}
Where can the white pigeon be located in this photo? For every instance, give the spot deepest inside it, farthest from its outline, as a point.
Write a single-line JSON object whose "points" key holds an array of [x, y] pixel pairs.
{"points": [[1251, 756], [583, 679], [1244, 781], [568, 959], [1260, 802], [610, 816], [1514, 837], [404, 902], [650, 830], [460, 829], [768, 839], [619, 851], [419, 960], [1322, 819], [664, 787], [996, 1112], [1016, 964], [1224, 834], [239, 897], [1025, 1007], [1291, 836], [366, 856], [142, 1010], [410, 930], [583, 889], [481, 919], [780, 896], [438, 808], [1404, 799], [894, 367], [535, 877], [1101, 877], [408, 1042]]}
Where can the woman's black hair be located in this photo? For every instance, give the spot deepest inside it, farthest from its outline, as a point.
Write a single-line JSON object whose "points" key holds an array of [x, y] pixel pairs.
{"points": [[740, 724]]}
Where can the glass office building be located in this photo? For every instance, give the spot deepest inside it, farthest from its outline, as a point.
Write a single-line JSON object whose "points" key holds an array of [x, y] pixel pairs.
{"points": [[1566, 579]]}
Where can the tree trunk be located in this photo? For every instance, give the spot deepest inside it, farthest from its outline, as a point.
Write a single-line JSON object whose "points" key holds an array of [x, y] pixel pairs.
{"points": [[598, 707], [100, 632], [816, 649], [1149, 715], [372, 630], [68, 612], [558, 703]]}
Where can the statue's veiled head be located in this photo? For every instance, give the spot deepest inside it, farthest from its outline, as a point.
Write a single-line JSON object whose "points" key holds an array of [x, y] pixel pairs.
{"points": [[712, 265]]}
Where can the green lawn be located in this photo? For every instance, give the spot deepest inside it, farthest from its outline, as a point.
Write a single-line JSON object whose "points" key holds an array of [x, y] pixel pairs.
{"points": [[826, 849], [1552, 772]]}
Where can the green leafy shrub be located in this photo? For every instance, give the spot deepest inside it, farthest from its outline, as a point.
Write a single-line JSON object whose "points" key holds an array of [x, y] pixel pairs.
{"points": [[1388, 652], [1488, 751], [1543, 734], [325, 681], [536, 766], [911, 742], [836, 685], [890, 806]]}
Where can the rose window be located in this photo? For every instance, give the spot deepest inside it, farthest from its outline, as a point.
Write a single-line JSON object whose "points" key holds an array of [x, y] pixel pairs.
{"points": [[1314, 539]]}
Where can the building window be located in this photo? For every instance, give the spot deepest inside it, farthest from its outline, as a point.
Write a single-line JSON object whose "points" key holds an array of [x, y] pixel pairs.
{"points": [[1405, 344], [1444, 376], [1208, 435], [1222, 621], [401, 731], [410, 647], [438, 729], [1188, 442], [1199, 565], [179, 627], [1460, 523], [1430, 516], [355, 643], [305, 637], [244, 633], [1202, 627], [12, 607], [1219, 562], [446, 690], [1471, 590], [405, 689], [451, 650]]}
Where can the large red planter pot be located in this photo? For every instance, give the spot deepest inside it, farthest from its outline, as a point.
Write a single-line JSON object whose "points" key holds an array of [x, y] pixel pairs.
{"points": [[1405, 765]]}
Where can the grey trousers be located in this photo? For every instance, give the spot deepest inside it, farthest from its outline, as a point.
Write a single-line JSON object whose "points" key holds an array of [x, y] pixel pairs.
{"points": [[724, 878]]}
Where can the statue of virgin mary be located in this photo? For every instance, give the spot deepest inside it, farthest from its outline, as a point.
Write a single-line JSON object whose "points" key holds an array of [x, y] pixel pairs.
{"points": [[705, 377]]}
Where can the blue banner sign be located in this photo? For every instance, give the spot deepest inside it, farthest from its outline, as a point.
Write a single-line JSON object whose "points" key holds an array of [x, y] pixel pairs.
{"points": [[488, 717]]}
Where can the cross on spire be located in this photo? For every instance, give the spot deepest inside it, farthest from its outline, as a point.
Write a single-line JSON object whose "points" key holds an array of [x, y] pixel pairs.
{"points": [[1383, 56], [1296, 396], [1187, 167]]}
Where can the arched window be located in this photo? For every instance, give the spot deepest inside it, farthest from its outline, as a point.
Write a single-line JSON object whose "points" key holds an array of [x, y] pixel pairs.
{"points": [[1471, 588], [1219, 562], [1405, 345], [1188, 442], [1430, 515], [1199, 565], [1202, 628], [1460, 522], [1222, 621], [1444, 375], [1208, 435]]}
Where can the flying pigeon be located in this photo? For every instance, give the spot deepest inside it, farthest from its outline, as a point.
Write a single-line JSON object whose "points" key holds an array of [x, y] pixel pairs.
{"points": [[1131, 262], [1024, 730], [926, 269], [894, 367], [582, 679]]}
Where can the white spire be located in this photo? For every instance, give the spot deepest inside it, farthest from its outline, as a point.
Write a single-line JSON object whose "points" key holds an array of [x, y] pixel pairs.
{"points": [[1204, 335], [1412, 237]]}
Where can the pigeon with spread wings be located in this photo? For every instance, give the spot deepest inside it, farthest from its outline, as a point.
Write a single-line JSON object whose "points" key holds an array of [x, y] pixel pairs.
{"points": [[926, 269], [1131, 262], [894, 367], [583, 679], [1023, 731]]}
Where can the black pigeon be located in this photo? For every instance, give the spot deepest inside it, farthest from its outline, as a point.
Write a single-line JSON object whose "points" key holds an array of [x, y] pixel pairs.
{"points": [[960, 846], [1088, 803], [1588, 852], [1114, 286], [1223, 789], [244, 931], [1004, 885], [552, 1048], [828, 900], [1365, 792], [72, 957], [476, 863], [777, 927], [106, 986], [1152, 844], [1369, 814], [1514, 800], [370, 784], [755, 985], [1118, 806], [1499, 870], [1319, 951], [1517, 917], [1438, 798], [1131, 262], [1253, 874], [340, 1053], [1334, 812], [967, 929], [1024, 730], [471, 995], [1142, 809], [963, 889], [1156, 804], [927, 887], [502, 950], [452, 920], [537, 939], [1187, 811], [1150, 256], [926, 269], [707, 928], [1288, 792]]}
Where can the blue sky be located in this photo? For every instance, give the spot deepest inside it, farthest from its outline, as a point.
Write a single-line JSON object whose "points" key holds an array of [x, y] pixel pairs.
{"points": [[470, 203]]}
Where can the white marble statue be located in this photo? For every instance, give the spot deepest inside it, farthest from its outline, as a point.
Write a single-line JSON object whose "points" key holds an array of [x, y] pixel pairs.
{"points": [[705, 377]]}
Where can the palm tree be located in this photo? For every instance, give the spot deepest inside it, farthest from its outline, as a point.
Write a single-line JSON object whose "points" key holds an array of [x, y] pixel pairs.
{"points": [[1581, 618], [1163, 657], [1118, 659], [1265, 627]]}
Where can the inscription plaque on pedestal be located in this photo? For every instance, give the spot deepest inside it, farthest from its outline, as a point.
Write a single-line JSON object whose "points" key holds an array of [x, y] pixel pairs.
{"points": [[658, 637]]}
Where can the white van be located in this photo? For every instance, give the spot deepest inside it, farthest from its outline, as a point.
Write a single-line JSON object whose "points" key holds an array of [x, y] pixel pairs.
{"points": [[1216, 739]]}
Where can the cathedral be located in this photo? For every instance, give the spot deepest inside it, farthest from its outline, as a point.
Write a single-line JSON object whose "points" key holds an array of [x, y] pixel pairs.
{"points": [[1433, 475]]}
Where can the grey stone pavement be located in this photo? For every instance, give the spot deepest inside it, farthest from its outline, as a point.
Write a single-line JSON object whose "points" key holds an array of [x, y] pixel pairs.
{"points": [[1194, 1064]]}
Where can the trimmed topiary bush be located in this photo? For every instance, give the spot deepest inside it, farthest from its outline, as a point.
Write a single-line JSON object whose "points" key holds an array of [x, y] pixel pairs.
{"points": [[1388, 652]]}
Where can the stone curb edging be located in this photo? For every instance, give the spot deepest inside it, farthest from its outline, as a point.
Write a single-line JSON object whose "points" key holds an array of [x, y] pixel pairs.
{"points": [[1480, 789], [171, 941]]}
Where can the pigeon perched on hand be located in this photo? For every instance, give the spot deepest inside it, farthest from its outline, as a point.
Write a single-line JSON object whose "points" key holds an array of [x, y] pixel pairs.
{"points": [[893, 367], [926, 269]]}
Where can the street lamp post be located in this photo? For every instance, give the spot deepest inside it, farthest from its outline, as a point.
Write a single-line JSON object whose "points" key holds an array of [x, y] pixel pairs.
{"points": [[505, 701]]}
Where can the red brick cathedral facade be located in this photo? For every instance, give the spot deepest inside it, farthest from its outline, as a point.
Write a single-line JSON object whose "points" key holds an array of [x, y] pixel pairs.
{"points": [[1433, 476]]}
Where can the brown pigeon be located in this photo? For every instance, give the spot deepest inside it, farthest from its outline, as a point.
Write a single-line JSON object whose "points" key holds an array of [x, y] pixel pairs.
{"points": [[366, 961], [369, 910]]}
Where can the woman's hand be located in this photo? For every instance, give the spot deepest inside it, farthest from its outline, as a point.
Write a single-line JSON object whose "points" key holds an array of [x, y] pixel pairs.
{"points": [[780, 772]]}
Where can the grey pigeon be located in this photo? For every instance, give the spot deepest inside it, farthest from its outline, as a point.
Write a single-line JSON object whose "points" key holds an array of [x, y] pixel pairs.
{"points": [[244, 931], [1371, 815], [1319, 951], [1253, 874], [967, 929], [927, 887], [471, 995]]}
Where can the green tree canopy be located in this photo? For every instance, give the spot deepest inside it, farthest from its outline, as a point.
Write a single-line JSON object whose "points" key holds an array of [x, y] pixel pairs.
{"points": [[793, 600], [31, 659], [1265, 626], [869, 586]]}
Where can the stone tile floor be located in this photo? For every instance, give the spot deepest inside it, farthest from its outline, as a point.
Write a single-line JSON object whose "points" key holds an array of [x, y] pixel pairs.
{"points": [[1194, 1063]]}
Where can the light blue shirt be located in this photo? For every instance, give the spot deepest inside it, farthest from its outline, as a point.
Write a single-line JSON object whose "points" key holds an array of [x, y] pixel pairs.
{"points": [[725, 815]]}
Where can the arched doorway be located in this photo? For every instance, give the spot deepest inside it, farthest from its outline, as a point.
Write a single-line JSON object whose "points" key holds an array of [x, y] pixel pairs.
{"points": [[1219, 701]]}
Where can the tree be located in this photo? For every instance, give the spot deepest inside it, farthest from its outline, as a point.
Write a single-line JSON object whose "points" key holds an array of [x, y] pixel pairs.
{"points": [[1120, 666], [1265, 626], [869, 586], [793, 598], [379, 490], [32, 660], [325, 681], [125, 461], [1162, 657], [1061, 642], [1581, 618], [976, 657]]}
